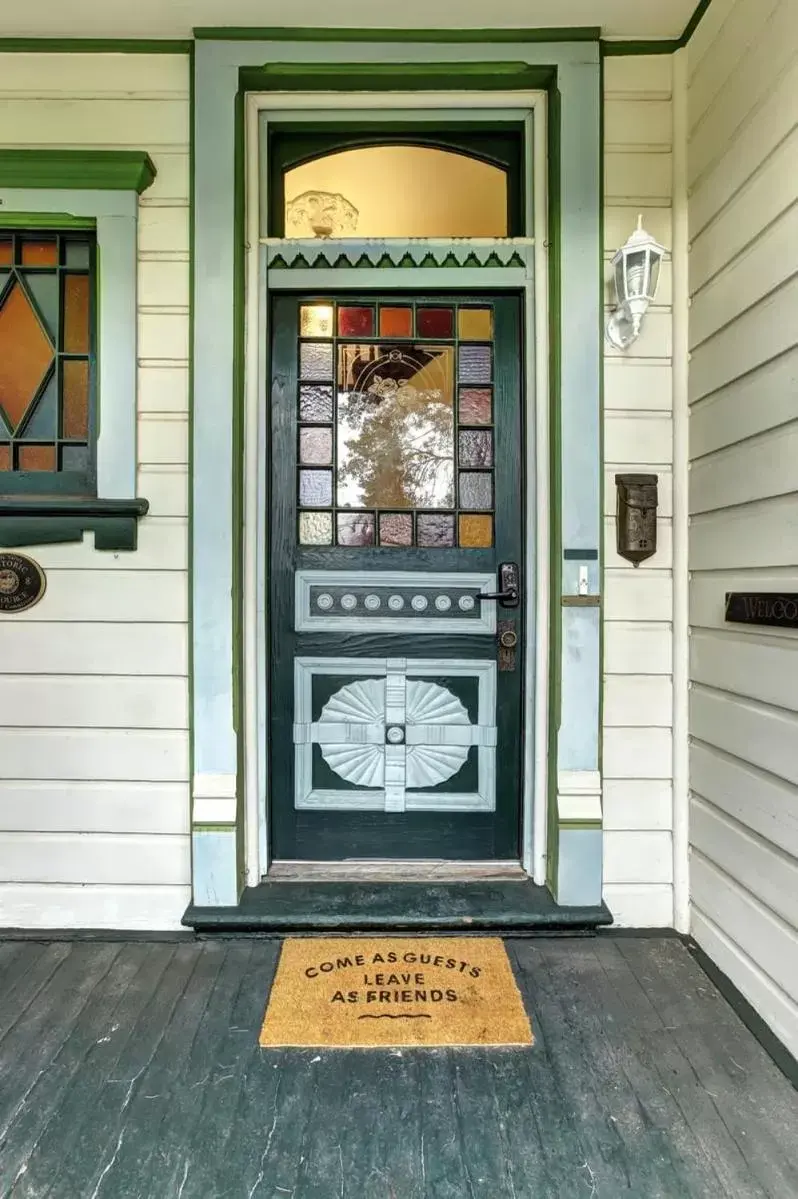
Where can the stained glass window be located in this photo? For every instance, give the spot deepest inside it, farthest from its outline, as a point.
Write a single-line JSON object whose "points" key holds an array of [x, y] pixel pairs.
{"points": [[395, 424], [47, 320]]}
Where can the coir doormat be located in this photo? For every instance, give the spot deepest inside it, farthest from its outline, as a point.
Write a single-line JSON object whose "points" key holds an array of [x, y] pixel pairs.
{"points": [[393, 991]]}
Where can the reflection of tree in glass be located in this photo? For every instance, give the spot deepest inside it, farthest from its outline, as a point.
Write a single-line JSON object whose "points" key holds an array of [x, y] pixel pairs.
{"points": [[396, 424]]}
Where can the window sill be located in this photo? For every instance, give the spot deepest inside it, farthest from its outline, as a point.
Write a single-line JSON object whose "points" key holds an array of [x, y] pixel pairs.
{"points": [[44, 520]]}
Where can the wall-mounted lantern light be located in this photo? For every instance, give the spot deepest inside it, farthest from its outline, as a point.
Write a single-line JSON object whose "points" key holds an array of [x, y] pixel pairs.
{"points": [[636, 269]]}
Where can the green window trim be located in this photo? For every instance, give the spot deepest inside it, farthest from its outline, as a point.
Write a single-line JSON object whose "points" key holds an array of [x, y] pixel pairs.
{"points": [[47, 521], [89, 170]]}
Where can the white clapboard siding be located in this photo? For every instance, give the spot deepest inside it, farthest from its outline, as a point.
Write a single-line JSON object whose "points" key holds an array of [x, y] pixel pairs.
{"points": [[638, 437], [708, 591], [763, 802], [729, 30], [99, 807], [765, 735], [94, 802], [766, 670], [758, 401], [78, 906], [760, 534], [759, 468]]}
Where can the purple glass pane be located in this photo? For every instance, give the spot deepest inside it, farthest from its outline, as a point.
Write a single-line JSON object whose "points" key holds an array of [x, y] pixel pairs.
{"points": [[355, 528], [315, 447], [435, 322], [315, 403], [315, 488], [316, 360], [476, 490], [476, 447], [474, 364], [396, 528], [355, 322], [475, 406], [435, 530]]}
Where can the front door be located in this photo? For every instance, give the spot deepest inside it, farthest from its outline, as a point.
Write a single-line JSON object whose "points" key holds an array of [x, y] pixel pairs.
{"points": [[396, 508]]}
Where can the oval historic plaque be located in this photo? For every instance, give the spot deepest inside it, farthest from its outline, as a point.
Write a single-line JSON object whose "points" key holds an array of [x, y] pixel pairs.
{"points": [[22, 582]]}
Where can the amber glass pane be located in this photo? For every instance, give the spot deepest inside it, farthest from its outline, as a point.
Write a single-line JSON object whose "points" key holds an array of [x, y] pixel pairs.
{"points": [[476, 532], [5, 252], [315, 528], [40, 253], [356, 322], [395, 427], [316, 320], [396, 322], [435, 322], [25, 355], [396, 528], [76, 314], [475, 324], [475, 406], [435, 530], [37, 457], [75, 402], [315, 447], [355, 528], [5, 457]]}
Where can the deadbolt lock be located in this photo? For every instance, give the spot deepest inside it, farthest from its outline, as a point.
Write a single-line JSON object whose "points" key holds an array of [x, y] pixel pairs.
{"points": [[508, 639]]}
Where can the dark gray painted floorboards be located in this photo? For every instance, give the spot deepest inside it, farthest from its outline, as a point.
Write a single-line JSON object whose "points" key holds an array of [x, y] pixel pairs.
{"points": [[133, 1070]]}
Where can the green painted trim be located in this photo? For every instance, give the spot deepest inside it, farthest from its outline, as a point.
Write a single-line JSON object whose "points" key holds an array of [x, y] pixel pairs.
{"points": [[92, 45], [45, 220], [662, 46], [234, 33], [555, 478], [379, 77], [595, 825], [87, 170], [52, 521], [219, 827]]}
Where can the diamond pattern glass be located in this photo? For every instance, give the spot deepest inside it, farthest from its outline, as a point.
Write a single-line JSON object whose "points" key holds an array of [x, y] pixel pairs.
{"points": [[25, 355]]}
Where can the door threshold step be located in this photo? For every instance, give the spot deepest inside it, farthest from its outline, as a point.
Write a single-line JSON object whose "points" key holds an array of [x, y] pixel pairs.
{"points": [[286, 907], [413, 870]]}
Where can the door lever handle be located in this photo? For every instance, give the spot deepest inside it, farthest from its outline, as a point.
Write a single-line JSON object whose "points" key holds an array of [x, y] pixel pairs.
{"points": [[509, 594]]}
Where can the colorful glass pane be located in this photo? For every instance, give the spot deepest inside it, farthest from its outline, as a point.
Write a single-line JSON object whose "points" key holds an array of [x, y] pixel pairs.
{"points": [[5, 252], [475, 447], [75, 403], [316, 320], [475, 324], [315, 446], [475, 406], [475, 364], [76, 255], [396, 528], [5, 457], [396, 322], [395, 427], [355, 322], [315, 528], [315, 488], [42, 252], [315, 403], [75, 457], [435, 530], [76, 314], [435, 322], [25, 355], [355, 528], [316, 360], [475, 532], [476, 489], [37, 457]]}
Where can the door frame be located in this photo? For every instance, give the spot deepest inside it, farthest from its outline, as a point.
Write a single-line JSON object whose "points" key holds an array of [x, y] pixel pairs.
{"points": [[532, 105]]}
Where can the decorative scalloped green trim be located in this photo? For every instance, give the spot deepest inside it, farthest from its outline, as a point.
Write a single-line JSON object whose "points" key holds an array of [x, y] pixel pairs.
{"points": [[364, 261], [93, 170]]}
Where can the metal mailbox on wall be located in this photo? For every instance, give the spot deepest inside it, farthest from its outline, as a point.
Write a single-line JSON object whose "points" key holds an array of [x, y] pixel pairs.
{"points": [[636, 514]]}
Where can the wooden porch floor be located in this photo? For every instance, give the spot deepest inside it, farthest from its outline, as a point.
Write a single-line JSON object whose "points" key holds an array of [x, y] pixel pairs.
{"points": [[132, 1069]]}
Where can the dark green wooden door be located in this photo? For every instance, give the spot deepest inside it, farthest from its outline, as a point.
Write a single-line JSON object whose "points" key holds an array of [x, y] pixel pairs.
{"points": [[396, 493]]}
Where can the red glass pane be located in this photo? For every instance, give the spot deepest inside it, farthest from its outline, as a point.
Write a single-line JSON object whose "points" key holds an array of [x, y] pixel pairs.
{"points": [[5, 252], [5, 457], [37, 457], [25, 355], [435, 322], [40, 253], [75, 399], [355, 322], [396, 322], [76, 314]]}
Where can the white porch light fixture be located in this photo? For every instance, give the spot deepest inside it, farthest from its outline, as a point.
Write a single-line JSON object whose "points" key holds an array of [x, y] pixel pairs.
{"points": [[636, 270]]}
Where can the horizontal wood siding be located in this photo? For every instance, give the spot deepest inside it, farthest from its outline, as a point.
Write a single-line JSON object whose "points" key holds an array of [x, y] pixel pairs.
{"points": [[638, 436], [94, 802], [743, 180]]}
